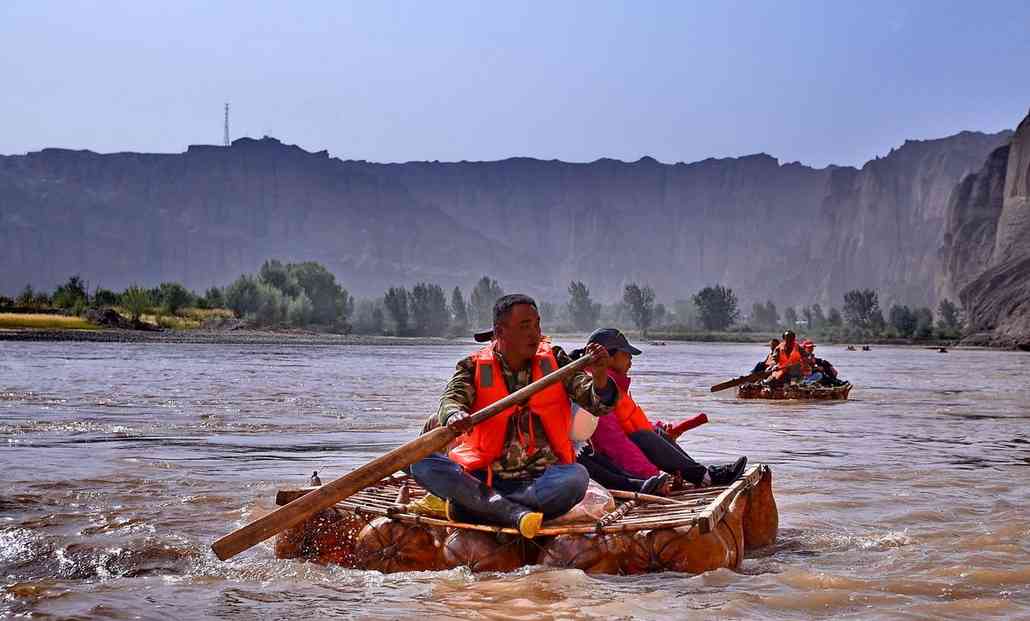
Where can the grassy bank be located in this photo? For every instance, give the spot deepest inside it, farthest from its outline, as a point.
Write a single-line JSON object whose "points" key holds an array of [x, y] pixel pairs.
{"points": [[43, 321]]}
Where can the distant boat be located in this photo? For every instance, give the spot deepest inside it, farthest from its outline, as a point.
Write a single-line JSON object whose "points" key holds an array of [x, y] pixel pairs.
{"points": [[865, 348], [851, 348]]}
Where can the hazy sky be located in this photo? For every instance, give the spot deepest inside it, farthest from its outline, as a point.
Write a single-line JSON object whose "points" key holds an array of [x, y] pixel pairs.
{"points": [[820, 82]]}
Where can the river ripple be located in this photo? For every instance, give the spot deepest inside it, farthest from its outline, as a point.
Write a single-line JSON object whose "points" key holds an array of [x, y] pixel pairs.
{"points": [[122, 462]]}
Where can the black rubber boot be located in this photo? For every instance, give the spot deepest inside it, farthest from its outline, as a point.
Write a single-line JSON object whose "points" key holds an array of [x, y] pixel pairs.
{"points": [[728, 473]]}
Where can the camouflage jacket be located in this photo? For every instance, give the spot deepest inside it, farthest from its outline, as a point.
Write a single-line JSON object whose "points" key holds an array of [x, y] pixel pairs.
{"points": [[516, 460]]}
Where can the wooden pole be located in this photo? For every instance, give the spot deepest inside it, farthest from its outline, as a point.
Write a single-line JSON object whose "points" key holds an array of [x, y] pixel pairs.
{"points": [[761, 375], [421, 447]]}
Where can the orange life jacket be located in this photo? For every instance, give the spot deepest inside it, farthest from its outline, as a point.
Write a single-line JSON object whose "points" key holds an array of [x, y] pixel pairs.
{"points": [[631, 416], [484, 444], [794, 358]]}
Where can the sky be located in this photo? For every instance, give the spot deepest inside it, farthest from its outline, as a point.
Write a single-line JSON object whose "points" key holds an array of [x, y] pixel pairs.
{"points": [[818, 82]]}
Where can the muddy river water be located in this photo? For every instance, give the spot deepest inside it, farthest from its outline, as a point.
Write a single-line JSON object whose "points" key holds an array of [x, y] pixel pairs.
{"points": [[121, 463]]}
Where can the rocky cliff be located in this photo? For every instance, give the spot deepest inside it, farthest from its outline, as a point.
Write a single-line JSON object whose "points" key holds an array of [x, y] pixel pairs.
{"points": [[782, 231], [205, 216], [988, 243]]}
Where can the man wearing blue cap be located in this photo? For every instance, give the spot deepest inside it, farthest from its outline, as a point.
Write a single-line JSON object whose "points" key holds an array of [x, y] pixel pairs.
{"points": [[660, 450]]}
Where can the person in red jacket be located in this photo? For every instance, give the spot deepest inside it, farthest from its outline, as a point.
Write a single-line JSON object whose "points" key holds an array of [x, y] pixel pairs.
{"points": [[659, 448], [518, 467]]}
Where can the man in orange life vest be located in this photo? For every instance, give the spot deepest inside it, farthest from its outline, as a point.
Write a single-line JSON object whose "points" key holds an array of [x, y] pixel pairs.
{"points": [[518, 467], [791, 362]]}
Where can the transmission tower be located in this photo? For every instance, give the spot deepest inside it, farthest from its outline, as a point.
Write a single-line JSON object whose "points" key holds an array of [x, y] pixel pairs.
{"points": [[226, 138]]}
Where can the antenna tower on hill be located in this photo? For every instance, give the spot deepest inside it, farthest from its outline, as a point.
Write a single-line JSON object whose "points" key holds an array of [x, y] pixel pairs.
{"points": [[226, 138]]}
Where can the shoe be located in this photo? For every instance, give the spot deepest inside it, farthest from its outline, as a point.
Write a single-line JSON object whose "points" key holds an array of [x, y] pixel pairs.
{"points": [[654, 484], [728, 473], [529, 524]]}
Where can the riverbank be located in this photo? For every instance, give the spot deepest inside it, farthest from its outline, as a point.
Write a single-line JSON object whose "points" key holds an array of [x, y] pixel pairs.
{"points": [[220, 337], [249, 336]]}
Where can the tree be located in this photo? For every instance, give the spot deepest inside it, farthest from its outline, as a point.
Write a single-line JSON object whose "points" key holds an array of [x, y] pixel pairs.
{"points": [[174, 296], [583, 312], [481, 302], [136, 300], [71, 294], [903, 320], [818, 320], [396, 303], [765, 316], [948, 317], [834, 318], [660, 313], [242, 295], [214, 298], [368, 317], [331, 302], [299, 310], [790, 318], [105, 297], [924, 322], [549, 312], [460, 325], [862, 310], [27, 297], [640, 303], [429, 311], [271, 306], [717, 307], [279, 276]]}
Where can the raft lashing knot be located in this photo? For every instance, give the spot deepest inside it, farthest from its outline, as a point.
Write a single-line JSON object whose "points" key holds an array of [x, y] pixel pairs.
{"points": [[692, 531]]}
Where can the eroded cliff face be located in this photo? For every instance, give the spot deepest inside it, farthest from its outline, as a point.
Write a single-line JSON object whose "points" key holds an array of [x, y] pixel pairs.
{"points": [[785, 232], [970, 224], [206, 216], [789, 233], [996, 293]]}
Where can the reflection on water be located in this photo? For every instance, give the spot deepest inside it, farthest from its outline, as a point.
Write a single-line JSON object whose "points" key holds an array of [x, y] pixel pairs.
{"points": [[122, 462]]}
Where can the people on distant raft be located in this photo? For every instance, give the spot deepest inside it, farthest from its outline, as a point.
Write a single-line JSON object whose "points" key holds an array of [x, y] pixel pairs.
{"points": [[791, 364], [823, 367], [518, 467], [815, 376], [630, 422], [770, 360]]}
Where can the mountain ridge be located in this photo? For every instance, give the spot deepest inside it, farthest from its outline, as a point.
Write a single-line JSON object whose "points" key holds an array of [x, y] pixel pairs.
{"points": [[206, 215]]}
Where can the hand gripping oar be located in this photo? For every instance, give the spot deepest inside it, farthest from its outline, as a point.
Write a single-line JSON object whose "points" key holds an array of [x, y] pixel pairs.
{"points": [[761, 375], [421, 447]]}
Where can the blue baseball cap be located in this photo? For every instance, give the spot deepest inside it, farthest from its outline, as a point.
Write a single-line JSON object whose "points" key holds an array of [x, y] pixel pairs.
{"points": [[613, 340]]}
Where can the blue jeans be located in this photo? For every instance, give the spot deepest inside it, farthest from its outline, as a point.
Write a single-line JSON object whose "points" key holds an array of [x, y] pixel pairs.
{"points": [[813, 378], [553, 493]]}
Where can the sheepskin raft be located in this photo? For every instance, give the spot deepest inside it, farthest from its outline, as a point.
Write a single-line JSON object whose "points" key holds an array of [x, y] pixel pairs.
{"points": [[794, 391], [692, 531]]}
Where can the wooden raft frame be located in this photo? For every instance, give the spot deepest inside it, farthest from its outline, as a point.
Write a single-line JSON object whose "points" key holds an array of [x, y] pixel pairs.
{"points": [[700, 507], [796, 393]]}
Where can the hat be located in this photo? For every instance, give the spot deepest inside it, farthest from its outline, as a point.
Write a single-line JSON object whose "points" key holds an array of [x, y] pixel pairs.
{"points": [[483, 337], [807, 344], [613, 340]]}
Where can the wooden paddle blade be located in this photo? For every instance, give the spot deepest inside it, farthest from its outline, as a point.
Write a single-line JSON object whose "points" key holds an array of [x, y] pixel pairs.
{"points": [[741, 380], [331, 493]]}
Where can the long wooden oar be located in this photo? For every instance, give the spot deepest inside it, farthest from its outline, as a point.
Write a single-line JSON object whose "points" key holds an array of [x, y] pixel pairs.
{"points": [[761, 375], [421, 447]]}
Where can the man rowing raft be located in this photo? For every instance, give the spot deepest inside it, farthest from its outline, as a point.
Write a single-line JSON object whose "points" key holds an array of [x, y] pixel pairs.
{"points": [[519, 467]]}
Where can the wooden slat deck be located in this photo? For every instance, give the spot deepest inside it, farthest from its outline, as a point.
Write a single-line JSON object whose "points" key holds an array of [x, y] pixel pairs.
{"points": [[700, 507]]}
